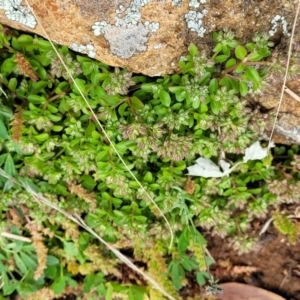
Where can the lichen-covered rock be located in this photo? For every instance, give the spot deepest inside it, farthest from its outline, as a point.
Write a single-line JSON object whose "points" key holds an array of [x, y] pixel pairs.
{"points": [[147, 36], [287, 129]]}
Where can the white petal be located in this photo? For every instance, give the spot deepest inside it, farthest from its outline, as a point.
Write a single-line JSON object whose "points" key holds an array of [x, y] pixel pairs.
{"points": [[225, 166], [255, 151], [205, 168]]}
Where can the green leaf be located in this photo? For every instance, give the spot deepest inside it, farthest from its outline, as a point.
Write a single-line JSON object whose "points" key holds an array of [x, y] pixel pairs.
{"points": [[70, 249], [5, 111], [57, 128], [79, 84], [136, 102], [136, 292], [42, 73], [16, 45], [109, 292], [201, 278], [231, 62], [52, 260], [213, 85], [35, 99], [186, 263], [175, 89], [12, 84], [20, 264], [28, 261], [148, 87], [165, 98], [3, 131], [8, 185], [176, 275], [193, 49], [160, 110], [39, 86], [43, 45], [9, 166], [221, 58], [252, 74], [204, 78], [148, 177], [88, 182], [255, 56], [41, 137], [8, 286], [51, 272], [58, 285], [52, 109], [122, 108], [218, 48], [183, 241], [99, 77], [240, 68], [243, 89], [3, 158], [250, 46], [215, 106], [55, 118], [8, 65], [71, 281], [240, 52], [225, 82], [25, 40], [62, 86], [259, 55], [89, 282]]}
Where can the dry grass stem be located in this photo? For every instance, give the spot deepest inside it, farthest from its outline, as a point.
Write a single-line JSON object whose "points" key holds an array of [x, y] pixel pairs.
{"points": [[15, 237], [292, 94]]}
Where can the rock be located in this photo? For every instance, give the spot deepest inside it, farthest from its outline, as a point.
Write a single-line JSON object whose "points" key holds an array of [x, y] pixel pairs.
{"points": [[147, 36], [287, 129], [239, 291]]}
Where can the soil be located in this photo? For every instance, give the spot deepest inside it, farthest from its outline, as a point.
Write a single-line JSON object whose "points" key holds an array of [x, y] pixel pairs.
{"points": [[274, 265]]}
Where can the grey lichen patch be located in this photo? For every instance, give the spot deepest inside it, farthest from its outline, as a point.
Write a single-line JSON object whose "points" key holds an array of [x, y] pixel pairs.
{"points": [[292, 133], [194, 21], [159, 46], [86, 49], [177, 3], [276, 24], [14, 11], [127, 42], [128, 35], [196, 3]]}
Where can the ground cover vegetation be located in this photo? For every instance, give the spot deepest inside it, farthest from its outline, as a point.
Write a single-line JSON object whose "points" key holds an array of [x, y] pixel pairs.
{"points": [[51, 143]]}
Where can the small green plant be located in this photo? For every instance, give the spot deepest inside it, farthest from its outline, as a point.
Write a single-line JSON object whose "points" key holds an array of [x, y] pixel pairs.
{"points": [[51, 142]]}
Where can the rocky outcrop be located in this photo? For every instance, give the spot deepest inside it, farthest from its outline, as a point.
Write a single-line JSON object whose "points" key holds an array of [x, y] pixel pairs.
{"points": [[147, 36]]}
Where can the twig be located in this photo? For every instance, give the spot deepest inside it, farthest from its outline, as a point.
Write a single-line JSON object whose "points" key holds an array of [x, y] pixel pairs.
{"points": [[15, 237], [3, 92], [284, 280], [291, 93]]}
